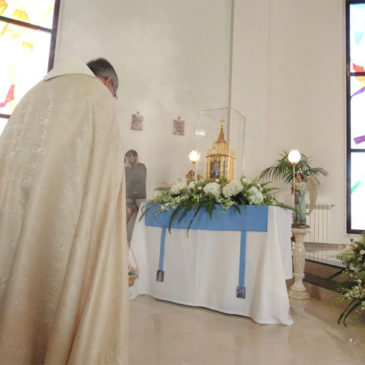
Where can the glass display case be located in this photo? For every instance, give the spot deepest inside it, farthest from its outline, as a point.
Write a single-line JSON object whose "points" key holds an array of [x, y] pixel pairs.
{"points": [[219, 150]]}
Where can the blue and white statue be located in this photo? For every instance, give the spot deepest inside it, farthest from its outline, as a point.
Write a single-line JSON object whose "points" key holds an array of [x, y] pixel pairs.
{"points": [[300, 188]]}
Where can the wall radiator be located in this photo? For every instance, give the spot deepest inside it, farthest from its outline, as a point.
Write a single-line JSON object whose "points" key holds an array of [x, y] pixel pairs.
{"points": [[317, 244], [319, 221]]}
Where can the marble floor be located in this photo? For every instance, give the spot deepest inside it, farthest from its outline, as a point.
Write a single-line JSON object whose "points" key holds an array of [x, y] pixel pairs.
{"points": [[163, 333]]}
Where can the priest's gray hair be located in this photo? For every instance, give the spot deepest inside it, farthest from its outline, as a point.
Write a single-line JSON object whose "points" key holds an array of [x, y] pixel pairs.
{"points": [[103, 68]]}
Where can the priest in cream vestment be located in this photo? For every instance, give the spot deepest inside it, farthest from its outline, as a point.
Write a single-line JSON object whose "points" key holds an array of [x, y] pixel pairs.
{"points": [[63, 250]]}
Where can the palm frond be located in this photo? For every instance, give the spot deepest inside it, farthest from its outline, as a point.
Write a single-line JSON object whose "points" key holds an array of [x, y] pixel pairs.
{"points": [[338, 273], [185, 212], [355, 305], [344, 312], [144, 212], [173, 215], [283, 170], [193, 217]]}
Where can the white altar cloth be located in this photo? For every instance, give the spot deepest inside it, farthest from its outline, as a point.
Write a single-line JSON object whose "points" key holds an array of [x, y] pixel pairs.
{"points": [[201, 269]]}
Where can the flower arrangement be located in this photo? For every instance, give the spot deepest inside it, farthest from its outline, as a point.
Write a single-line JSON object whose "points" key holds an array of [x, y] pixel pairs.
{"points": [[183, 196], [353, 286]]}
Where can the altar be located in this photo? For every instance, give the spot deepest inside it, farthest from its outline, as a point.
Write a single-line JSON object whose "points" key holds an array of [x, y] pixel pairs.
{"points": [[204, 267]]}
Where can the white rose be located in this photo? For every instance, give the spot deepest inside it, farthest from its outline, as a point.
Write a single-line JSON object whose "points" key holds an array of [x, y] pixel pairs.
{"points": [[233, 188], [212, 188], [362, 252], [177, 187], [191, 185], [255, 196]]}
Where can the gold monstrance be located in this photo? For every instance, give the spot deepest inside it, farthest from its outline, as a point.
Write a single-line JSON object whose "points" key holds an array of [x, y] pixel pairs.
{"points": [[220, 160]]}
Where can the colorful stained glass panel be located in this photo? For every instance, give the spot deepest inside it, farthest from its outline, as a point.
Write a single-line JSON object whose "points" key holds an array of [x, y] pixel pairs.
{"points": [[358, 112], [25, 64], [3, 123], [357, 37], [357, 190], [38, 12]]}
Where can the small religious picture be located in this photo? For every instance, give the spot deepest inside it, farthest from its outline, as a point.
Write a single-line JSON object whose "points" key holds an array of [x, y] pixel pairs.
{"points": [[137, 122], [179, 127], [214, 171]]}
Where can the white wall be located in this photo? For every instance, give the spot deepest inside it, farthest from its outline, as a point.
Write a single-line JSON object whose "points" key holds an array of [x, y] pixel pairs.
{"points": [[289, 80], [173, 58]]}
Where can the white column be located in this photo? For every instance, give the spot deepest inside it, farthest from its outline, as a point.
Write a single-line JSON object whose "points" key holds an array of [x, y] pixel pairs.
{"points": [[298, 290]]}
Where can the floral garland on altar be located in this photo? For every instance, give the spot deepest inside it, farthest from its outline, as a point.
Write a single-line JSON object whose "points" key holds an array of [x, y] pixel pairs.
{"points": [[353, 286], [184, 196]]}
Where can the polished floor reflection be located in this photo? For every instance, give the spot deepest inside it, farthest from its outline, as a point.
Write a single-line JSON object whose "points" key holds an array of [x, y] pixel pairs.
{"points": [[163, 333]]}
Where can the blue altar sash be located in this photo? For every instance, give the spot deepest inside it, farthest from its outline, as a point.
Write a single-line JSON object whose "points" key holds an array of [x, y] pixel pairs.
{"points": [[252, 218]]}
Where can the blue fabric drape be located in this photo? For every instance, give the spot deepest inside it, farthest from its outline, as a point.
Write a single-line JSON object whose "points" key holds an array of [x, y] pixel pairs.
{"points": [[250, 218]]}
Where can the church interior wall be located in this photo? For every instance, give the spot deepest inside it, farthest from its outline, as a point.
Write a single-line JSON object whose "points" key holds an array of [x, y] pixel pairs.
{"points": [[173, 59], [296, 52]]}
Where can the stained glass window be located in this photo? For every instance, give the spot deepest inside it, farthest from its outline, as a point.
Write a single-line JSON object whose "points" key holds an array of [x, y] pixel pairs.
{"points": [[357, 190], [37, 12], [357, 112], [25, 64], [357, 36], [355, 16], [27, 39]]}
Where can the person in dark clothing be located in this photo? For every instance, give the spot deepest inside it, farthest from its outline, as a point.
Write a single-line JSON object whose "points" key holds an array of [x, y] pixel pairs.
{"points": [[136, 174]]}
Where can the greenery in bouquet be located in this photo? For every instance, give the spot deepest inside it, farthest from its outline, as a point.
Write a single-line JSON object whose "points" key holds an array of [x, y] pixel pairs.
{"points": [[184, 196], [352, 288]]}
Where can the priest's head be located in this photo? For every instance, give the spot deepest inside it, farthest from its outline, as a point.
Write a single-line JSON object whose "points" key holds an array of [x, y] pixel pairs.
{"points": [[103, 70]]}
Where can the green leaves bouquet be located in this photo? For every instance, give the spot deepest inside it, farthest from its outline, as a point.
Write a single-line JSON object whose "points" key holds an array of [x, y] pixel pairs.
{"points": [[352, 287]]}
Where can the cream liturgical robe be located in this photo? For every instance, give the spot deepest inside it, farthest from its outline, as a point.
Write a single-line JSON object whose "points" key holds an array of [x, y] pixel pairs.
{"points": [[63, 263]]}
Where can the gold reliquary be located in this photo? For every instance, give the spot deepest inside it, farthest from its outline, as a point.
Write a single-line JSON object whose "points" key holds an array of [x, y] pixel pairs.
{"points": [[220, 159]]}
